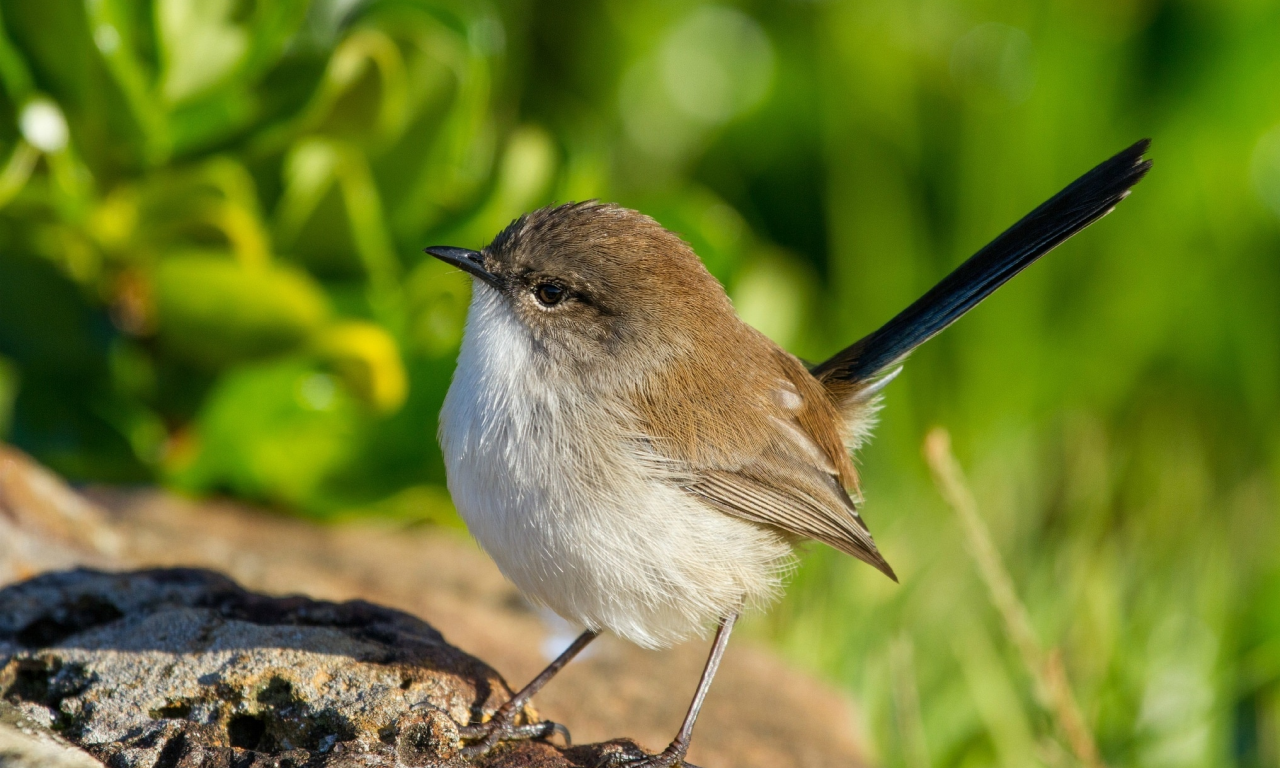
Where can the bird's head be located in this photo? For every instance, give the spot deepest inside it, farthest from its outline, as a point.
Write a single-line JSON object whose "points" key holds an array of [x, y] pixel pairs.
{"points": [[592, 283]]}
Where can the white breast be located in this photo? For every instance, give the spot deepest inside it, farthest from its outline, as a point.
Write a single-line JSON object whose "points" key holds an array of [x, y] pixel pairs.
{"points": [[549, 484]]}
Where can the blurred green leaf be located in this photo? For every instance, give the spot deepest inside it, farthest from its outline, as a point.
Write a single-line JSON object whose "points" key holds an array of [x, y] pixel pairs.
{"points": [[9, 383], [13, 69], [368, 360], [199, 44], [215, 311], [273, 432], [46, 324], [523, 180], [438, 297]]}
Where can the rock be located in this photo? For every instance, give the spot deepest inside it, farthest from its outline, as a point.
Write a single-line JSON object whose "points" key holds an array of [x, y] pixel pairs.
{"points": [[26, 744], [44, 524], [182, 667]]}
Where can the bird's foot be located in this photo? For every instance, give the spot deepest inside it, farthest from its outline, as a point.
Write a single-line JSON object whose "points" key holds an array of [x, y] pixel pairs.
{"points": [[502, 727], [630, 756]]}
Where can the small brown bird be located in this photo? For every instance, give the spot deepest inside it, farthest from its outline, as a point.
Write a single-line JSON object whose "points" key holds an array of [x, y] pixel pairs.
{"points": [[638, 459]]}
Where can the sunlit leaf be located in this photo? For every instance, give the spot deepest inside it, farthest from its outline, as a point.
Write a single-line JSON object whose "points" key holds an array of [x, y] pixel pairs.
{"points": [[201, 45], [368, 361]]}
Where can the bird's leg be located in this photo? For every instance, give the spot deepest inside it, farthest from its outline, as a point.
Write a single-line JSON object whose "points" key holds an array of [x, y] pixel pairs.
{"points": [[674, 754], [502, 727]]}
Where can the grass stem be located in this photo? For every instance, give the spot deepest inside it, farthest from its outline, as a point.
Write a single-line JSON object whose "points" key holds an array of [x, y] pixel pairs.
{"points": [[1046, 669]]}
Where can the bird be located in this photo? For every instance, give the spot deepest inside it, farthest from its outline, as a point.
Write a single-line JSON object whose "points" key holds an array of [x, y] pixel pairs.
{"points": [[639, 460]]}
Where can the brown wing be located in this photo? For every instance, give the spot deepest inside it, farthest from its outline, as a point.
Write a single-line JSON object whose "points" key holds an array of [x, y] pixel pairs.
{"points": [[777, 492], [778, 460]]}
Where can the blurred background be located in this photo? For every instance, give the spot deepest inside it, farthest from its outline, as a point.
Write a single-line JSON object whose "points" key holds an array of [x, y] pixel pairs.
{"points": [[211, 278]]}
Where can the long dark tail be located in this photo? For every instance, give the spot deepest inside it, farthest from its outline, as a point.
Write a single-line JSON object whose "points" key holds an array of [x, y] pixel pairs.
{"points": [[1086, 200]]}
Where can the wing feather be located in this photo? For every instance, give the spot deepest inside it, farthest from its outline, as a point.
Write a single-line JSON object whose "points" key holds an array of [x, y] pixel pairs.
{"points": [[779, 459], [805, 502]]}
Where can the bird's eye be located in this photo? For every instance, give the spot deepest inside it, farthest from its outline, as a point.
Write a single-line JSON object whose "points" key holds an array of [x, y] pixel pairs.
{"points": [[549, 294]]}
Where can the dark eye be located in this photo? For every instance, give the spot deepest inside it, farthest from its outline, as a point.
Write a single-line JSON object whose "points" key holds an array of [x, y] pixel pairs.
{"points": [[549, 294]]}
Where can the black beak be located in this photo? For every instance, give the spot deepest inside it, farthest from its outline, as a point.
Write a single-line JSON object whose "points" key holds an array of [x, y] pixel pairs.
{"points": [[471, 262]]}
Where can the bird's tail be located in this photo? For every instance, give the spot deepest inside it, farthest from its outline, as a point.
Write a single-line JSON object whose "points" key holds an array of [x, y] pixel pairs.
{"points": [[854, 373]]}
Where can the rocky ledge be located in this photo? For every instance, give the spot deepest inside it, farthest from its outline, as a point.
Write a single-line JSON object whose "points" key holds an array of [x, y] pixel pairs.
{"points": [[179, 668]]}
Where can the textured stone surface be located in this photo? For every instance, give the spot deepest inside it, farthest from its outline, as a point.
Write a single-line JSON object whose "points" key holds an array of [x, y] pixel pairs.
{"points": [[25, 743], [182, 667]]}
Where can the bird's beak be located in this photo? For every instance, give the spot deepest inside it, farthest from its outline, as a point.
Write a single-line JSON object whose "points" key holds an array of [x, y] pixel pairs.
{"points": [[471, 262]]}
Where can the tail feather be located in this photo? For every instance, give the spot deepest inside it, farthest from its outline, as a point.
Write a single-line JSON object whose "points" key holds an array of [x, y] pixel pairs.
{"points": [[1083, 202]]}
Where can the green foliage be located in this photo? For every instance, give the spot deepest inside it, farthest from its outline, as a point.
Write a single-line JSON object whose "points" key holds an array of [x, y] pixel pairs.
{"points": [[214, 311], [211, 218], [206, 204], [277, 429]]}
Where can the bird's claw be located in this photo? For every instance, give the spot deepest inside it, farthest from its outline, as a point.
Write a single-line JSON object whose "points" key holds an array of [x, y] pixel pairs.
{"points": [[633, 757], [485, 736]]}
